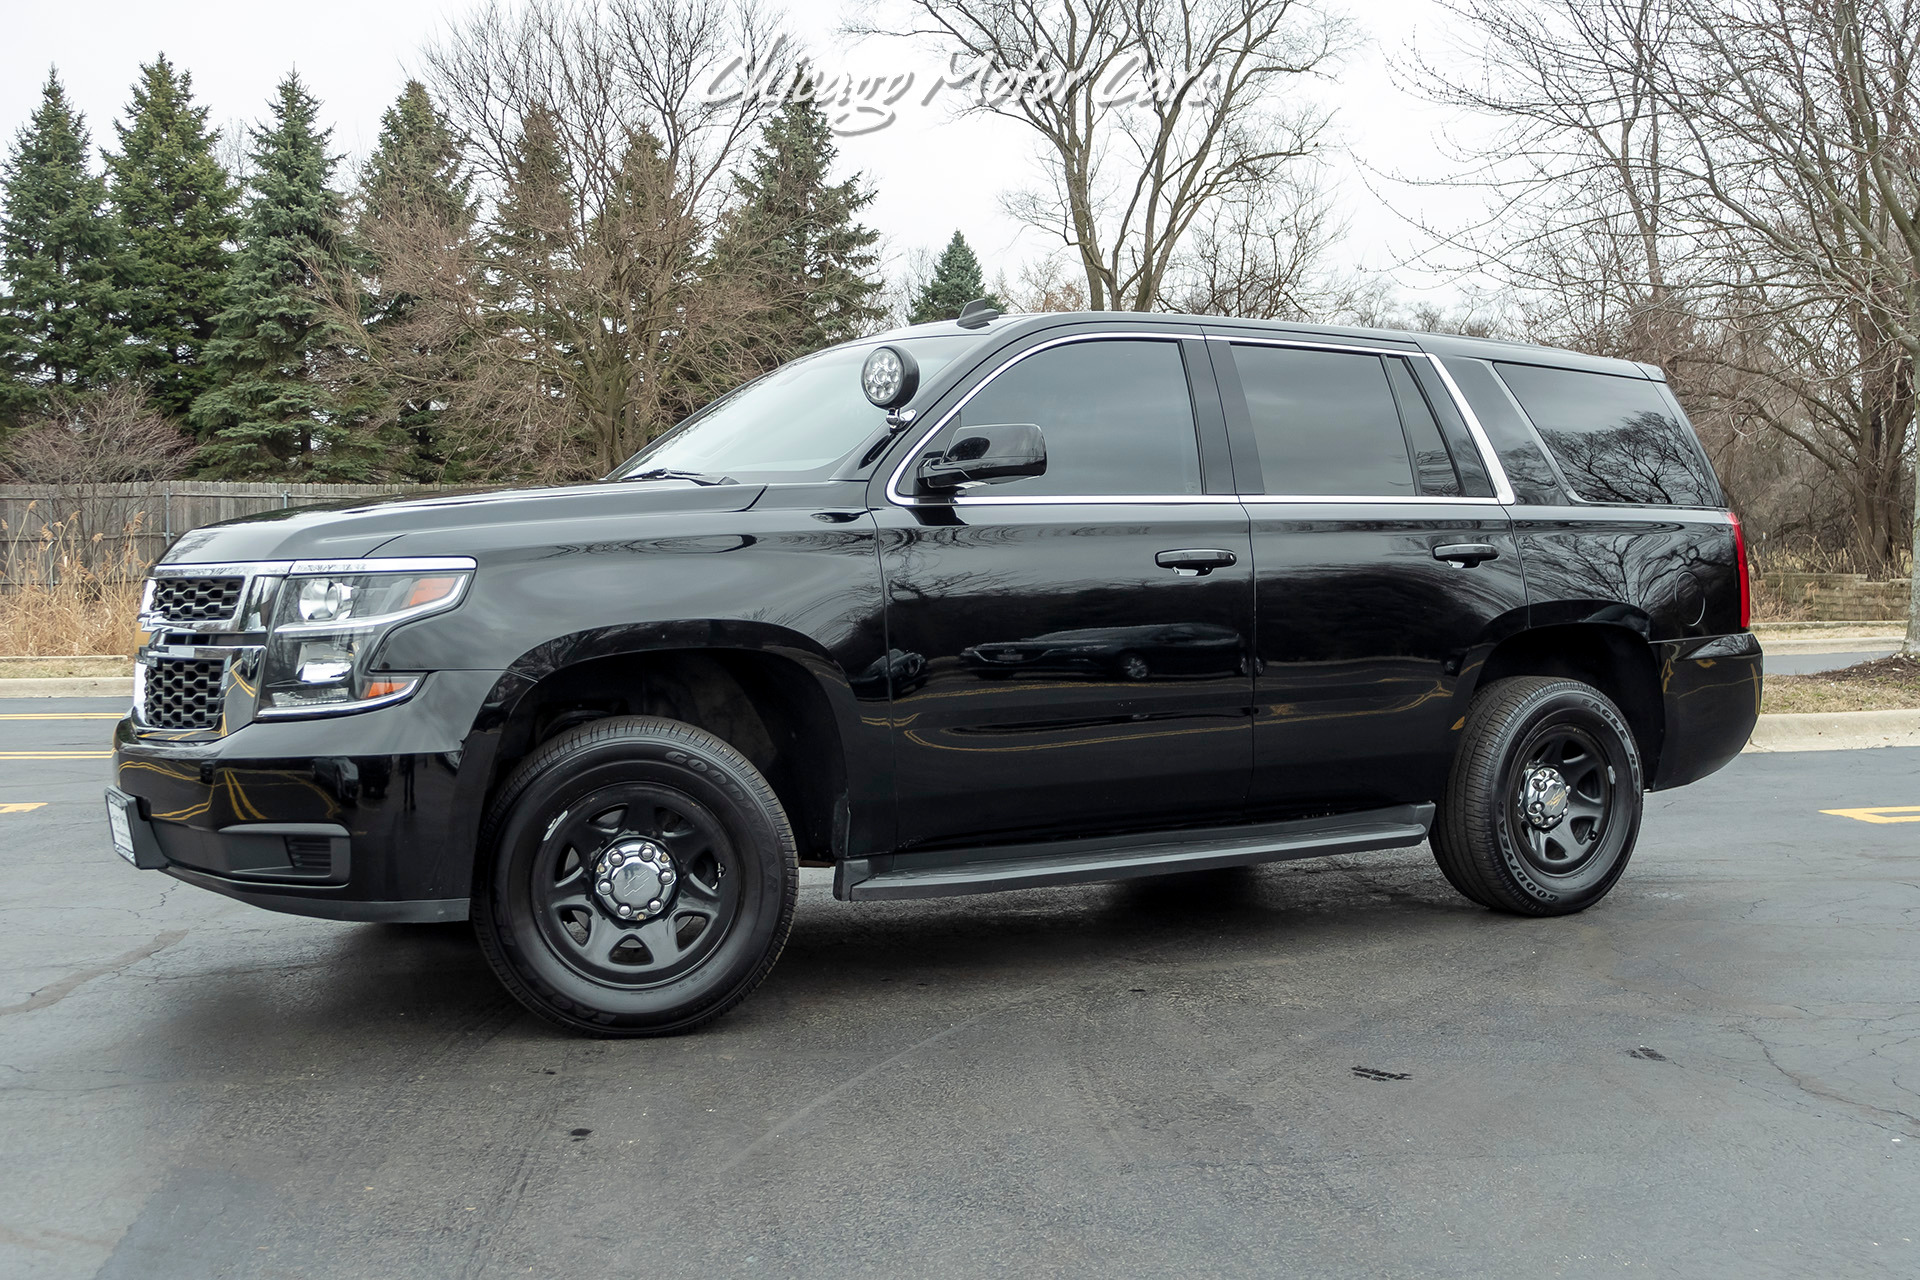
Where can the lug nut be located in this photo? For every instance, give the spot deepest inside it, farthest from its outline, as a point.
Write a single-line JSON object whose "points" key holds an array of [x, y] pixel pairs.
{"points": [[625, 910]]}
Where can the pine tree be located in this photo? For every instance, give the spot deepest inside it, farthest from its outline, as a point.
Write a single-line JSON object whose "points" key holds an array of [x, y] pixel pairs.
{"points": [[267, 413], [955, 282], [175, 205], [415, 225], [415, 168], [57, 332], [794, 240]]}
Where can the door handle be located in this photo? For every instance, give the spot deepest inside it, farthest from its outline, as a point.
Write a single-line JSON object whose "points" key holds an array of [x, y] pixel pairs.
{"points": [[1195, 562], [1466, 554]]}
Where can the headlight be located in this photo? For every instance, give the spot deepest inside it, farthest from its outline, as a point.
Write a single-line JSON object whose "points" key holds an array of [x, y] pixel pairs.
{"points": [[326, 628]]}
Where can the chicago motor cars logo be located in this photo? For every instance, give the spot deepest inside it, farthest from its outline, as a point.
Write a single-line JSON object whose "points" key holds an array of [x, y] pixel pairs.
{"points": [[857, 103]]}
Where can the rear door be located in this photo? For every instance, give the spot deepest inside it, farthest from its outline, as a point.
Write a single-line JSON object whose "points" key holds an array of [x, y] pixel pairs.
{"points": [[1385, 568], [1070, 676]]}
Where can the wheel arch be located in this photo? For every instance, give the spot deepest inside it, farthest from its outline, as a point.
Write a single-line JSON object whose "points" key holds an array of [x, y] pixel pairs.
{"points": [[1615, 659], [773, 695]]}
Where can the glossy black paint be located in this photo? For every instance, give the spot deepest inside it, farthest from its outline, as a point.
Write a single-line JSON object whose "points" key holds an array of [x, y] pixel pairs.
{"points": [[1710, 690], [1369, 647], [1327, 668], [1125, 734]]}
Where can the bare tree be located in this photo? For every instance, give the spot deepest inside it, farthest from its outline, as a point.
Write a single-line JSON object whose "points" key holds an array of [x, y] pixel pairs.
{"points": [[1045, 285], [1153, 114], [1715, 186], [605, 172], [1802, 154], [1260, 258], [112, 436], [1578, 220]]}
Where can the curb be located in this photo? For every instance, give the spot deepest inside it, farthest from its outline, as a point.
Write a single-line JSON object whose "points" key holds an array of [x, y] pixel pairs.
{"points": [[1848, 643], [1835, 730], [67, 687]]}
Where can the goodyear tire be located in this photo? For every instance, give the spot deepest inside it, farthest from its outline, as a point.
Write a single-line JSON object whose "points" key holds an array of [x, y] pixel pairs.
{"points": [[1544, 803], [637, 878]]}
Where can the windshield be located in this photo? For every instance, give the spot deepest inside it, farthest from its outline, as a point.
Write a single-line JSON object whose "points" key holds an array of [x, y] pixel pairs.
{"points": [[790, 424]]}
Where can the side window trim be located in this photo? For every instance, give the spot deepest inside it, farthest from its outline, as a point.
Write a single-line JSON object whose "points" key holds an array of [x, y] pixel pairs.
{"points": [[1468, 463], [1407, 411], [1489, 456], [1195, 391], [1246, 460]]}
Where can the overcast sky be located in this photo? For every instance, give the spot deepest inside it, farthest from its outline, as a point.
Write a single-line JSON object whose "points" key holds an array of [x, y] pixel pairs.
{"points": [[933, 173]]}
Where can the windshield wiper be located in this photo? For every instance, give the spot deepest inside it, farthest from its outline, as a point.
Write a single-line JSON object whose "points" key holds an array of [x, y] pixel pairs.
{"points": [[668, 473]]}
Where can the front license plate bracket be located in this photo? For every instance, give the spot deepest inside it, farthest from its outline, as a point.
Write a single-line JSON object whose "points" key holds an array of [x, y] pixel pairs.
{"points": [[133, 837]]}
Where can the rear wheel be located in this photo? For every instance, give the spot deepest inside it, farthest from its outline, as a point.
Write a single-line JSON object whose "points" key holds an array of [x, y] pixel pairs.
{"points": [[641, 880], [1544, 803]]}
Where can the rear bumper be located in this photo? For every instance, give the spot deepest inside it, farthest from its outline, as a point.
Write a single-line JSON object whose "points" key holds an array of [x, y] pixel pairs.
{"points": [[373, 816], [1711, 694]]}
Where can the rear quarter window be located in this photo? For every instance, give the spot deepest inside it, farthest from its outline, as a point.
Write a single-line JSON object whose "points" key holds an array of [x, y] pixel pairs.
{"points": [[1616, 439]]}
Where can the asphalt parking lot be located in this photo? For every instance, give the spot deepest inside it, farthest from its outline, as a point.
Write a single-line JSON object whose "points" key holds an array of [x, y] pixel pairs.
{"points": [[1320, 1068]]}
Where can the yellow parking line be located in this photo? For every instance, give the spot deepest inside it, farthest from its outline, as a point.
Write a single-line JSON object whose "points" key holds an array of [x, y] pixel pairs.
{"points": [[54, 755], [23, 807], [68, 715], [1884, 814]]}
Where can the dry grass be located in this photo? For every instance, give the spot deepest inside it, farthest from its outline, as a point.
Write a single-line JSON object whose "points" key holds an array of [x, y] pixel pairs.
{"points": [[1770, 606], [1885, 684], [1815, 557], [71, 594], [53, 668]]}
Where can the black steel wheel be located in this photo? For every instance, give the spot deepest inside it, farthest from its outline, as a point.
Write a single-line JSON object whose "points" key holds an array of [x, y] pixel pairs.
{"points": [[1544, 803], [636, 885], [642, 878], [1564, 792]]}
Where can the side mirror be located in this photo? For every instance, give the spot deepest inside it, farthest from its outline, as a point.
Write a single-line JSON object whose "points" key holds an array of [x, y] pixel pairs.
{"points": [[1007, 451]]}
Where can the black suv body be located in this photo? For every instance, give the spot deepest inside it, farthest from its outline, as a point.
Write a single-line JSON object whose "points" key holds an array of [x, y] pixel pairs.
{"points": [[1267, 590]]}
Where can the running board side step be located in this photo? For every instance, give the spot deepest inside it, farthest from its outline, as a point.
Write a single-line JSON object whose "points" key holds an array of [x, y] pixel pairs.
{"points": [[951, 872]]}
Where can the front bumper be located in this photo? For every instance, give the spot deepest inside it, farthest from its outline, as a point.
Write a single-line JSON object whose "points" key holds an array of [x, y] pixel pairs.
{"points": [[371, 816]]}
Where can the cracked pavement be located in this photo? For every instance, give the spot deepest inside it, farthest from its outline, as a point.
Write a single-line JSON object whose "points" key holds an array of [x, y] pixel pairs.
{"points": [[1330, 1067]]}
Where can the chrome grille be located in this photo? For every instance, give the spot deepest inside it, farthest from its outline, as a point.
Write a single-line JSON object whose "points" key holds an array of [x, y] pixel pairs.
{"points": [[196, 599], [183, 693]]}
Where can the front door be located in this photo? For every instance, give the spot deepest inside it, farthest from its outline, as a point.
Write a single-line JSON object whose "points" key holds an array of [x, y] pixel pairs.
{"points": [[1080, 643], [1385, 571]]}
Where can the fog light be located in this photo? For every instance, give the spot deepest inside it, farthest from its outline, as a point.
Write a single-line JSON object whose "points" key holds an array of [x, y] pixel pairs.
{"points": [[324, 663]]}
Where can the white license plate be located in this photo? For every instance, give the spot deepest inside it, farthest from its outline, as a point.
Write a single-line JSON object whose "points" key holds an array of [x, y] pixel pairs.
{"points": [[121, 828]]}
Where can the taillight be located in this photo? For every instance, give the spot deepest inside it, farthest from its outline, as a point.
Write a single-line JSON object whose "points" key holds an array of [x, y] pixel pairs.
{"points": [[1746, 584]]}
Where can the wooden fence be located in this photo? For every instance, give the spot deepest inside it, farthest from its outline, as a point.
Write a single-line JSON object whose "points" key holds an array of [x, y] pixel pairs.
{"points": [[105, 525]]}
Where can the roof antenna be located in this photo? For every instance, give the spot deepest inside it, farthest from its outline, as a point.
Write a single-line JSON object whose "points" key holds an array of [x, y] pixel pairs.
{"points": [[977, 313]]}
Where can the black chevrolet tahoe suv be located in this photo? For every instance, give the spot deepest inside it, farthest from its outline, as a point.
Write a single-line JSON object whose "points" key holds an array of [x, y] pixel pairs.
{"points": [[1008, 601]]}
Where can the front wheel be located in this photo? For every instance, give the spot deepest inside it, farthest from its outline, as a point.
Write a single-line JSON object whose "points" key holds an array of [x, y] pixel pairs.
{"points": [[640, 878], [1543, 807]]}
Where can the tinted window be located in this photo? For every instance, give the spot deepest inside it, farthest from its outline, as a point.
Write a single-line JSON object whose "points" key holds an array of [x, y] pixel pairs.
{"points": [[1116, 415], [1432, 466], [1325, 422], [1616, 439], [1527, 468], [802, 418]]}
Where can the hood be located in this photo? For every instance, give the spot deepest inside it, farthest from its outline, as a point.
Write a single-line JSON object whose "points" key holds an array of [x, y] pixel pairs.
{"points": [[355, 529]]}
